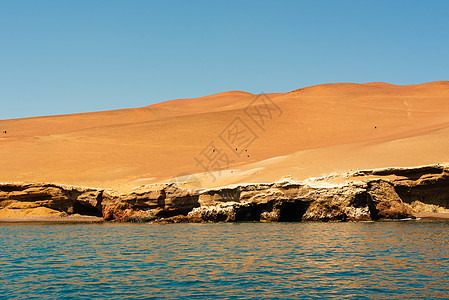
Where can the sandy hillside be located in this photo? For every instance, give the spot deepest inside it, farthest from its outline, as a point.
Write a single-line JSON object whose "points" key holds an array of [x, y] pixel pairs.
{"points": [[307, 132]]}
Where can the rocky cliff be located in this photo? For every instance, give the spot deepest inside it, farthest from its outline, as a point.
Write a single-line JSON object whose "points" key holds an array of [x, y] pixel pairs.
{"points": [[361, 196]]}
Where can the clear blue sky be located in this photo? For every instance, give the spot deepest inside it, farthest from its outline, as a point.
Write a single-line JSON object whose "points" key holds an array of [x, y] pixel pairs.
{"points": [[77, 56]]}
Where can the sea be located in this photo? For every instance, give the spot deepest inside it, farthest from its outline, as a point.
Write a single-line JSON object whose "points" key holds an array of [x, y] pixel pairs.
{"points": [[375, 260]]}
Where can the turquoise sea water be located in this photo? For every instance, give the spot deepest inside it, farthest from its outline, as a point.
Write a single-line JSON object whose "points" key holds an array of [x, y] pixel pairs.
{"points": [[382, 260]]}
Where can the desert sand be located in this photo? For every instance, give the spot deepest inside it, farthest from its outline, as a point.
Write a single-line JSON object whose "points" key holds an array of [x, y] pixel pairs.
{"points": [[234, 137]]}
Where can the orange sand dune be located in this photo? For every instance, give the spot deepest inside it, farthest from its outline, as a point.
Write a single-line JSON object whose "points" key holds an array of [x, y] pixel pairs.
{"points": [[308, 132]]}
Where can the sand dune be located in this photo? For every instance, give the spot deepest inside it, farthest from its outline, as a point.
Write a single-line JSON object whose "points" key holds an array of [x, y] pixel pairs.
{"points": [[307, 132]]}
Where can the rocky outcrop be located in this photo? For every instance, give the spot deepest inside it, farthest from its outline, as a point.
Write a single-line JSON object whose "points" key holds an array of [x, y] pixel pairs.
{"points": [[289, 202], [66, 200], [361, 196], [385, 203], [146, 204]]}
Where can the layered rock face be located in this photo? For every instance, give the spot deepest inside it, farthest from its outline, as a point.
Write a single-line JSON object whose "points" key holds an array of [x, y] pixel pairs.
{"points": [[148, 204], [361, 196], [56, 199], [290, 202]]}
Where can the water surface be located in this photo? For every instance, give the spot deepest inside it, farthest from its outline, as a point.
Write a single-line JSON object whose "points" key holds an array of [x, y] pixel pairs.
{"points": [[382, 260]]}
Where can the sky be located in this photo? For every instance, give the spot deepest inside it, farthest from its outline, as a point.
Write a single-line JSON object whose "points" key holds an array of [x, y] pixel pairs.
{"points": [[60, 57]]}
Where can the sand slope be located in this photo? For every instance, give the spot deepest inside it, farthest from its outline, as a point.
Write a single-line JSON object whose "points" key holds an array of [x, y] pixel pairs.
{"points": [[307, 132]]}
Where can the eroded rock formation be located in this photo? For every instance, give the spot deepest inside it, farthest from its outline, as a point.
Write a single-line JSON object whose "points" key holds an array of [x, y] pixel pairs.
{"points": [[361, 196], [65, 200]]}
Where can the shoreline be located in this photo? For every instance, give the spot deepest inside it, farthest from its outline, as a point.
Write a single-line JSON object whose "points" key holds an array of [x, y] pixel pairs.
{"points": [[93, 219], [433, 216], [65, 219]]}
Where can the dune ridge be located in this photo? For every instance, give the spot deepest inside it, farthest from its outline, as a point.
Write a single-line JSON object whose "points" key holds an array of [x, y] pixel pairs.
{"points": [[307, 132]]}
